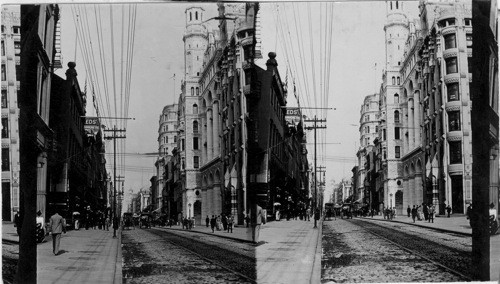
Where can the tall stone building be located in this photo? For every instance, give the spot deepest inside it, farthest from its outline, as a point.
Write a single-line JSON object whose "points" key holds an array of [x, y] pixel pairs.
{"points": [[368, 130], [424, 133], [11, 49], [396, 32], [167, 141]]}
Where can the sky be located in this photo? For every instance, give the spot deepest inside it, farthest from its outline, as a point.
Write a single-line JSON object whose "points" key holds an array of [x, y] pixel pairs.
{"points": [[334, 67]]}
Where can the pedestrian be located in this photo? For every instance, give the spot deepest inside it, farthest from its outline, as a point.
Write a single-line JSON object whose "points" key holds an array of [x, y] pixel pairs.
{"points": [[432, 211], [469, 211], [308, 214], [213, 223], [372, 212], [256, 219], [224, 222], [18, 222], [448, 210], [408, 210], [230, 221], [207, 221], [414, 213], [57, 225], [218, 223], [247, 220], [425, 209]]}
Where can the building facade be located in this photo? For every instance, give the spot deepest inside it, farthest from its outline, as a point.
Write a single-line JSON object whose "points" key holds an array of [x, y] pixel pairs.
{"points": [[424, 138], [11, 50]]}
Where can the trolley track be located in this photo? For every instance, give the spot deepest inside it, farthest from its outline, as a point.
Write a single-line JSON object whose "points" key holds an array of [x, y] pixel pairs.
{"points": [[437, 251], [375, 252], [184, 259]]}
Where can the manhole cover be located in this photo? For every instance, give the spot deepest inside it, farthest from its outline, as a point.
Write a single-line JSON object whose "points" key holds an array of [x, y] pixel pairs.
{"points": [[83, 258], [72, 268]]}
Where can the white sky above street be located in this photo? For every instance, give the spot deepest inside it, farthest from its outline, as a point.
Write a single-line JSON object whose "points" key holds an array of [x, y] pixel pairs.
{"points": [[357, 45]]}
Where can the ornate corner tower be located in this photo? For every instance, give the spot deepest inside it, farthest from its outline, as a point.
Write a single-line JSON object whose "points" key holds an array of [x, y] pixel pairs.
{"points": [[396, 32], [195, 41]]}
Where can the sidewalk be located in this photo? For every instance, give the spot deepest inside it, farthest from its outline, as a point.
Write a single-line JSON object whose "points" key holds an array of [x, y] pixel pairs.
{"points": [[9, 232], [455, 224], [290, 252], [86, 256], [240, 233]]}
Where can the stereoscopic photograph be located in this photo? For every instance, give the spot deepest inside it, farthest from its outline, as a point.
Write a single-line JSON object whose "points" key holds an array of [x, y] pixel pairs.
{"points": [[250, 142]]}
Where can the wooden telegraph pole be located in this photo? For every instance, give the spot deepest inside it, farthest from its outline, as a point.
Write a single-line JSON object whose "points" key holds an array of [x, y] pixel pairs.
{"points": [[114, 137], [314, 127]]}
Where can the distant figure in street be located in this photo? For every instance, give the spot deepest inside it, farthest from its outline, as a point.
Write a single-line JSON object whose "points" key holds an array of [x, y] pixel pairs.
{"points": [[247, 220], [414, 213], [207, 221], [256, 218], [308, 214], [408, 210], [278, 217], [230, 221], [18, 222], [432, 211], [448, 210], [57, 225], [213, 223]]}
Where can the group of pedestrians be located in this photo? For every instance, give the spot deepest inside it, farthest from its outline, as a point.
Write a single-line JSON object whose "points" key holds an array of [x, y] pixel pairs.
{"points": [[424, 212], [221, 222]]}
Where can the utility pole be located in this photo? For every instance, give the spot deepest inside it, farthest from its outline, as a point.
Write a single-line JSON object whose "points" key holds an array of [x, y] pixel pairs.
{"points": [[114, 137], [314, 127]]}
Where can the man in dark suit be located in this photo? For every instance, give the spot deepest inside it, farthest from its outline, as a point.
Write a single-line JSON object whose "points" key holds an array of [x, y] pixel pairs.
{"points": [[57, 226]]}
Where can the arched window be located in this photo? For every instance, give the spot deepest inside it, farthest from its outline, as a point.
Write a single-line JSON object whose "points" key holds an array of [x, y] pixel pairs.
{"points": [[396, 116], [396, 4], [394, 80], [195, 126], [197, 91], [190, 16], [391, 5], [195, 109], [196, 15], [192, 91], [396, 99], [166, 139], [399, 81]]}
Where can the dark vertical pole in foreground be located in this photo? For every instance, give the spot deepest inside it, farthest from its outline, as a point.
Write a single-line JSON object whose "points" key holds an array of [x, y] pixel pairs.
{"points": [[315, 181], [114, 182], [480, 121]]}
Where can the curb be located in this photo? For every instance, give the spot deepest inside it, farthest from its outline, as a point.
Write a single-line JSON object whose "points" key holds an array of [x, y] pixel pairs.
{"points": [[10, 241], [422, 226], [210, 234], [316, 275], [118, 277]]}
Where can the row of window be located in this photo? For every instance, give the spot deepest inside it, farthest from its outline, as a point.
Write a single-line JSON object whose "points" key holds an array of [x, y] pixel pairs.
{"points": [[450, 40], [15, 29], [5, 127], [196, 162]]}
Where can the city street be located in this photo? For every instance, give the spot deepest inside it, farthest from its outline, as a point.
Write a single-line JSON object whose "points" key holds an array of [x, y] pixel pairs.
{"points": [[366, 250], [160, 255]]}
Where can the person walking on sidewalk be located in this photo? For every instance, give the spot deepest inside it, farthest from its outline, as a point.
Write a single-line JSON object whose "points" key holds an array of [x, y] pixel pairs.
{"points": [[256, 218], [448, 210], [230, 221], [207, 221], [18, 222], [224, 221], [414, 213], [432, 211], [213, 222], [57, 225], [408, 210], [426, 211]]}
